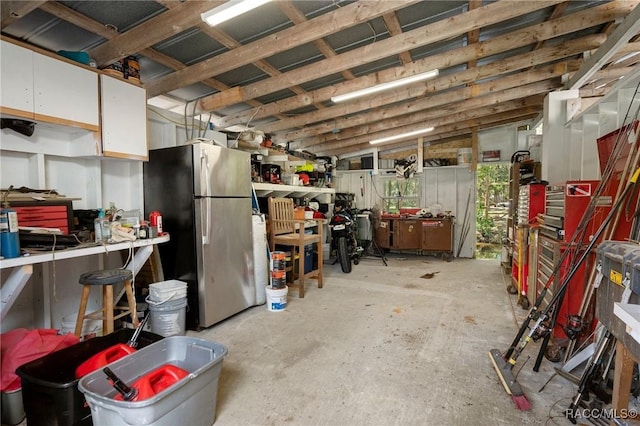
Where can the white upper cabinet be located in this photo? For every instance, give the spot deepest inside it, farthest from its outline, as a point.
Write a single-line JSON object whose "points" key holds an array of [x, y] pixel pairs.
{"points": [[124, 119], [46, 89], [65, 93], [79, 111], [16, 72]]}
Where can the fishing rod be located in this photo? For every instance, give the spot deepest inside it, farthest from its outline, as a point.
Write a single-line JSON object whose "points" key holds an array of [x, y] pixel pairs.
{"points": [[504, 364]]}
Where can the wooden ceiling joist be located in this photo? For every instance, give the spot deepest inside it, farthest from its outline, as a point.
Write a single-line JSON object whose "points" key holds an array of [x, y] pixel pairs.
{"points": [[564, 25], [156, 29], [532, 104], [461, 128], [431, 114], [495, 69], [11, 11], [620, 36], [431, 33], [518, 67], [289, 38]]}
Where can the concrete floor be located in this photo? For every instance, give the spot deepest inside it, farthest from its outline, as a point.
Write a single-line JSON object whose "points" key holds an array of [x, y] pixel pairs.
{"points": [[381, 346]]}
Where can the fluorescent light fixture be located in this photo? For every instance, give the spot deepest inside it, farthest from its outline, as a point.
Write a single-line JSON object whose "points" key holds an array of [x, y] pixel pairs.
{"points": [[401, 136], [230, 10], [385, 86]]}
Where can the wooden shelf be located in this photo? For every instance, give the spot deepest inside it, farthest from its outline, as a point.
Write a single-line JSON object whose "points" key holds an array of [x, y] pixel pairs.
{"points": [[295, 191], [272, 155]]}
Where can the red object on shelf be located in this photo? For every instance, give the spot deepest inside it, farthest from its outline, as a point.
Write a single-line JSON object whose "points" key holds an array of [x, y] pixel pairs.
{"points": [[407, 210], [155, 219], [156, 381], [103, 358], [44, 217]]}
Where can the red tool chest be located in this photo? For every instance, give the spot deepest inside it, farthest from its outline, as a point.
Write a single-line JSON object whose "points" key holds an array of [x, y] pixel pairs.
{"points": [[45, 214]]}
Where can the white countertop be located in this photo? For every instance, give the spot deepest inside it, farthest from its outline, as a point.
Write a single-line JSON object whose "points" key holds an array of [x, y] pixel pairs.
{"points": [[78, 252]]}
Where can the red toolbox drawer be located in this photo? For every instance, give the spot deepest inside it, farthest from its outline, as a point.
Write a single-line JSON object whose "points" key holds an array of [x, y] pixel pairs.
{"points": [[45, 214]]}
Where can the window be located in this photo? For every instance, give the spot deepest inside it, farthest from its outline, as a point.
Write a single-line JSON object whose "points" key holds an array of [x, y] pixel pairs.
{"points": [[400, 193]]}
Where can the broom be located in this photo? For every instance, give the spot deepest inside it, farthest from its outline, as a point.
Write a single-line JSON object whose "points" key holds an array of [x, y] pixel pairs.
{"points": [[503, 368]]}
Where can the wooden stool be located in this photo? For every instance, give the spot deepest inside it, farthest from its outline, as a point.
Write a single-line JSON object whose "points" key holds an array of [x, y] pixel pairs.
{"points": [[106, 278]]}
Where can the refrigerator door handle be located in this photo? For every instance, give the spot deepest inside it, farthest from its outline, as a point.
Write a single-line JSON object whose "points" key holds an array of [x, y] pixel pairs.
{"points": [[205, 216]]}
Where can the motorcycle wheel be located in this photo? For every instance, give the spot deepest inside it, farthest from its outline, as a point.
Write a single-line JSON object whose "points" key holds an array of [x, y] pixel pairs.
{"points": [[343, 255]]}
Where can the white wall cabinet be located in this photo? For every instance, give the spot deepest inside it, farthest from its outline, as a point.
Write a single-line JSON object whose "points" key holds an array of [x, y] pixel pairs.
{"points": [[65, 93], [78, 111], [16, 77], [45, 89], [124, 119]]}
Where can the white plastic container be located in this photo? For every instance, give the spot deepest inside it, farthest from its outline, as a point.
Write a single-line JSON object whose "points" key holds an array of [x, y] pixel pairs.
{"points": [[90, 327], [164, 291], [277, 299], [12, 408], [168, 318], [190, 401]]}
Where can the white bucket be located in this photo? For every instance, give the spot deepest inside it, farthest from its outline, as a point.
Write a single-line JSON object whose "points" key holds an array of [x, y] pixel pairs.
{"points": [[167, 290], [277, 299], [168, 318], [90, 327], [465, 155]]}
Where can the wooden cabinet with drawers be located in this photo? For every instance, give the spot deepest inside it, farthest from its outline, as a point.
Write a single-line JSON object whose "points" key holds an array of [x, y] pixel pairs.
{"points": [[409, 234], [425, 235]]}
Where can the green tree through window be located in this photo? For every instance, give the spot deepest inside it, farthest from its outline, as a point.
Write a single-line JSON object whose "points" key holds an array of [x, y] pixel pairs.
{"points": [[401, 193]]}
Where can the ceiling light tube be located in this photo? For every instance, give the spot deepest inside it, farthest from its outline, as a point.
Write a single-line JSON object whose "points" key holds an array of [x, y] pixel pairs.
{"points": [[230, 10], [401, 136], [385, 86]]}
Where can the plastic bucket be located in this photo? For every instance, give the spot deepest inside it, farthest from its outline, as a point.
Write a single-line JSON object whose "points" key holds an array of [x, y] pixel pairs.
{"points": [[277, 299], [164, 291], [12, 408], [168, 318], [90, 328]]}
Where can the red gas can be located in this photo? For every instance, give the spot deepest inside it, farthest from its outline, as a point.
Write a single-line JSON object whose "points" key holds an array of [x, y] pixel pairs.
{"points": [[155, 219], [156, 381], [103, 358]]}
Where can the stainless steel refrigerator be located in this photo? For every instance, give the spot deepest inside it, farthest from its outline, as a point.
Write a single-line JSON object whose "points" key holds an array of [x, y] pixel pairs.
{"points": [[203, 192]]}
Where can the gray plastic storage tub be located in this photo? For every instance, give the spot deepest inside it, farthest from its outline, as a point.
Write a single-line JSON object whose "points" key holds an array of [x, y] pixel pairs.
{"points": [[190, 401]]}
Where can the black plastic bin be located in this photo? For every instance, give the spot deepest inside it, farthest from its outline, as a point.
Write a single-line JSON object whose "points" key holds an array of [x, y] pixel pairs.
{"points": [[50, 389]]}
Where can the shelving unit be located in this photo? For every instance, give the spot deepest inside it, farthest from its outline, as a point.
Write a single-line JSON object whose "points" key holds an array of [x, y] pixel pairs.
{"points": [[516, 245], [294, 191]]}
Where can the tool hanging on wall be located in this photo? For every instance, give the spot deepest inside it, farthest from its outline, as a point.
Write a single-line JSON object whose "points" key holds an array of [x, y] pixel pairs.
{"points": [[504, 362]]}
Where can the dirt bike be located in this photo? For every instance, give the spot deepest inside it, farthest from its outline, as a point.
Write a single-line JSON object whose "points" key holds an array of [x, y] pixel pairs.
{"points": [[343, 238]]}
